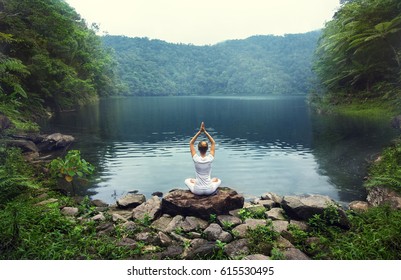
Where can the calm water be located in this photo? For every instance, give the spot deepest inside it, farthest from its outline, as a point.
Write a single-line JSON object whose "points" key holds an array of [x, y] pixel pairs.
{"points": [[263, 144]]}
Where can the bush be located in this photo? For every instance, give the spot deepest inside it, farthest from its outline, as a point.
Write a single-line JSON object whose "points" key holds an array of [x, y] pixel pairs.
{"points": [[386, 171], [16, 176], [374, 235], [262, 239]]}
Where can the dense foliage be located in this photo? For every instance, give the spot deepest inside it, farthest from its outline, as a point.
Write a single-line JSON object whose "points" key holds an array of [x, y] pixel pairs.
{"points": [[373, 235], [259, 65], [359, 52], [16, 176], [49, 57], [386, 170]]}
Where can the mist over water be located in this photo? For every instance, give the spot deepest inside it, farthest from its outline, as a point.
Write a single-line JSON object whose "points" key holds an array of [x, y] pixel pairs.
{"points": [[263, 144]]}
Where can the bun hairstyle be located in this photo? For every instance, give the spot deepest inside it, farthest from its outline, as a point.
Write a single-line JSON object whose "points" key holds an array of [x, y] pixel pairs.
{"points": [[202, 147]]}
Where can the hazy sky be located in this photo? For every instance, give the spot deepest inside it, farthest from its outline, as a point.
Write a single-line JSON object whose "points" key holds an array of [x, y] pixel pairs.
{"points": [[202, 22]]}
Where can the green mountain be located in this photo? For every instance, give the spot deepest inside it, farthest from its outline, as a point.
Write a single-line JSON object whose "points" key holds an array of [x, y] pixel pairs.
{"points": [[259, 65]]}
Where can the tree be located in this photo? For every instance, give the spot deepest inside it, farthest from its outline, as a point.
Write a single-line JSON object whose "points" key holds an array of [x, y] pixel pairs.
{"points": [[51, 57], [360, 47]]}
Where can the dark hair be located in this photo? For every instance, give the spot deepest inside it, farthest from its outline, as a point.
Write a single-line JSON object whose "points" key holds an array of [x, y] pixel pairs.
{"points": [[202, 147]]}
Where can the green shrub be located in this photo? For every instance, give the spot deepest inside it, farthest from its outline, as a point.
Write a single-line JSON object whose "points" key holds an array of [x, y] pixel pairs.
{"points": [[374, 235], [71, 166], [262, 239], [252, 213], [386, 171], [29, 231], [16, 176]]}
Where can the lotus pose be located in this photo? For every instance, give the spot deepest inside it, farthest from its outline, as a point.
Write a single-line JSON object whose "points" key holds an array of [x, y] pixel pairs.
{"points": [[203, 184]]}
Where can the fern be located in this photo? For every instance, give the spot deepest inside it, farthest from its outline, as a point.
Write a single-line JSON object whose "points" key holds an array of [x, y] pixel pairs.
{"points": [[384, 181], [15, 175], [13, 185]]}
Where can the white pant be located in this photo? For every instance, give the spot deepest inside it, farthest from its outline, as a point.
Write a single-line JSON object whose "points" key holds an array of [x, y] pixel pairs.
{"points": [[191, 184]]}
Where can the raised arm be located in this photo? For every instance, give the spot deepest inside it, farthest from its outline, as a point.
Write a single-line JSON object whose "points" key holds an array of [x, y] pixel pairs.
{"points": [[212, 142], [192, 142]]}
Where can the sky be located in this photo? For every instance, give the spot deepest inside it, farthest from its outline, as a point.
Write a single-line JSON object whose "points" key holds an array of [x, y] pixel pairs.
{"points": [[205, 22]]}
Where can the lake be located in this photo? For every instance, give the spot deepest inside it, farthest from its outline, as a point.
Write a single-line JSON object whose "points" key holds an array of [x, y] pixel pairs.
{"points": [[263, 144]]}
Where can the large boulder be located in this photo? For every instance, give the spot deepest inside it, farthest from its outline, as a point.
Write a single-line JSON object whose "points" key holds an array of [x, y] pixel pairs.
{"points": [[379, 196], [184, 202], [131, 201], [305, 207], [151, 209]]}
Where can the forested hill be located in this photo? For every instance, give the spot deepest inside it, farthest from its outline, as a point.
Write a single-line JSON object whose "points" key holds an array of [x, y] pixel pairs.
{"points": [[50, 58], [259, 65]]}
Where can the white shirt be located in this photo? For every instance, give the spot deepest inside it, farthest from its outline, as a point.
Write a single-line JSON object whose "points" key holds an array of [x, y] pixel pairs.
{"points": [[203, 170]]}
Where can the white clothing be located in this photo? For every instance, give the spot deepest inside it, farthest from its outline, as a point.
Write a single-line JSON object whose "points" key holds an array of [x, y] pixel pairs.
{"points": [[203, 184]]}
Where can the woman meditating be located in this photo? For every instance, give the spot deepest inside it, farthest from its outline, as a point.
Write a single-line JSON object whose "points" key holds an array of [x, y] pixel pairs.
{"points": [[203, 184]]}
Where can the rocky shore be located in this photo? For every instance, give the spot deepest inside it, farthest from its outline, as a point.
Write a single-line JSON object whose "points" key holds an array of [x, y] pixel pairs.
{"points": [[181, 225]]}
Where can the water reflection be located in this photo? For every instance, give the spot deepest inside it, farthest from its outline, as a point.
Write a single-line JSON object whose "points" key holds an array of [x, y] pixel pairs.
{"points": [[273, 144]]}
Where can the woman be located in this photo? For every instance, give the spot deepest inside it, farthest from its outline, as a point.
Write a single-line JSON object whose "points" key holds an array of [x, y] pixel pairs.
{"points": [[203, 184]]}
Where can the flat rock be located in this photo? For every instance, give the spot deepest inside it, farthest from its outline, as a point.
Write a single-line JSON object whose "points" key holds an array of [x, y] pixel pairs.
{"points": [[284, 243], [117, 218], [164, 239], [184, 202], [293, 253], [99, 203], [194, 223], [256, 257], [272, 196], [127, 242], [214, 232], [280, 226], [129, 226], [249, 224], [70, 211], [172, 252], [151, 209], [146, 237], [131, 201], [98, 217], [359, 206], [175, 223], [237, 248], [127, 214], [162, 223], [268, 204], [305, 207], [228, 220], [275, 214], [199, 248]]}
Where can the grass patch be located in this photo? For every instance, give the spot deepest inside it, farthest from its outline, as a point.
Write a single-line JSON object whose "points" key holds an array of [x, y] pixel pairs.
{"points": [[371, 109], [386, 170], [373, 235], [363, 105], [30, 231]]}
